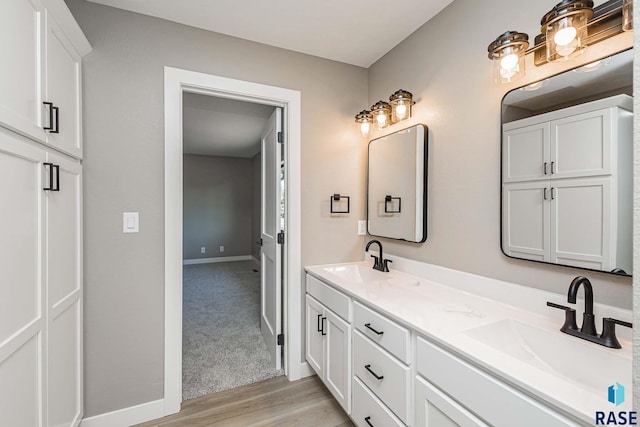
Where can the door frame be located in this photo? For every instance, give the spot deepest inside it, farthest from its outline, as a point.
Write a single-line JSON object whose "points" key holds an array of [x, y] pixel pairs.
{"points": [[176, 82]]}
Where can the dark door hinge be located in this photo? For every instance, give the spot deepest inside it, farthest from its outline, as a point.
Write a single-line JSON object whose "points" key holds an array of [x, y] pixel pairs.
{"points": [[281, 238], [280, 137], [280, 339]]}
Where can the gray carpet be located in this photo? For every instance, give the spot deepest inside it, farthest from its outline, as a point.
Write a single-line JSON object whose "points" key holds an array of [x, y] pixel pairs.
{"points": [[222, 347]]}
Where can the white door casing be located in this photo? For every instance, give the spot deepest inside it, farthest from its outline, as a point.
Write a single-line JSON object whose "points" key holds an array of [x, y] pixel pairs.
{"points": [[270, 253], [177, 81]]}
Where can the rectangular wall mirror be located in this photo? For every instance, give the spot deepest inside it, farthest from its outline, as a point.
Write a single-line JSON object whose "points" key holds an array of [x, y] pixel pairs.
{"points": [[567, 175], [397, 185]]}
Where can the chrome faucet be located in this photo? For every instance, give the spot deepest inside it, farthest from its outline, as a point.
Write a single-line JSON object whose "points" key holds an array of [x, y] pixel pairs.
{"points": [[588, 329], [379, 263]]}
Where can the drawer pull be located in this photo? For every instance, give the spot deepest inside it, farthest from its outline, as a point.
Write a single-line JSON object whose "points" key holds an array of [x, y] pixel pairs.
{"points": [[366, 420], [368, 326], [378, 377], [319, 327], [322, 325]]}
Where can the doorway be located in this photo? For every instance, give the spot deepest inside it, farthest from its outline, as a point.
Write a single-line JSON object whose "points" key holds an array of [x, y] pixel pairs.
{"points": [[176, 82], [232, 199]]}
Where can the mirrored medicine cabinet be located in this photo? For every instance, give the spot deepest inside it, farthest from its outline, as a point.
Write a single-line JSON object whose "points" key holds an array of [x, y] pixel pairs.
{"points": [[567, 168], [397, 185]]}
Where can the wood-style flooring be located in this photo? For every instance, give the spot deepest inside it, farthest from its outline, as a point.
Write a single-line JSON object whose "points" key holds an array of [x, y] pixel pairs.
{"points": [[274, 402]]}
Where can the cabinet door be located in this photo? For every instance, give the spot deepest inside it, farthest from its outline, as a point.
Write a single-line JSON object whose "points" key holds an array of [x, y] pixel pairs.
{"points": [[525, 153], [63, 90], [64, 293], [316, 326], [21, 78], [525, 220], [581, 234], [22, 323], [338, 359], [435, 409], [581, 145]]}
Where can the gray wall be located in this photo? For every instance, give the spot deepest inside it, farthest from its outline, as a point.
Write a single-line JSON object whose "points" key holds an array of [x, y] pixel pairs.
{"points": [[123, 171], [445, 65], [636, 213], [256, 168], [218, 205]]}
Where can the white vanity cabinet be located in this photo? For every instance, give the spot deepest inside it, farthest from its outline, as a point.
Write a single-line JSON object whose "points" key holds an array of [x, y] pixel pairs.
{"points": [[328, 339], [565, 185], [41, 84]]}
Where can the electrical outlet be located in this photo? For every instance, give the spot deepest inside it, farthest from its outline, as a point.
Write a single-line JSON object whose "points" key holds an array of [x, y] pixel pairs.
{"points": [[203, 250], [362, 227], [221, 248]]}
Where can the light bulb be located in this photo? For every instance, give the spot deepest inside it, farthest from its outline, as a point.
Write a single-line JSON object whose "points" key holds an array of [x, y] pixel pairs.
{"points": [[509, 61], [364, 128], [565, 36], [382, 120], [401, 111]]}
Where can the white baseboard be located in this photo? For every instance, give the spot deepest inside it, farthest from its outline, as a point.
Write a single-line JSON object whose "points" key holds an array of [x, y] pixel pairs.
{"points": [[218, 259], [255, 260], [127, 416], [306, 370]]}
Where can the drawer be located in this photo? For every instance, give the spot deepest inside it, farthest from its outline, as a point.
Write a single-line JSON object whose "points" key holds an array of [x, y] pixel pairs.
{"points": [[484, 395], [384, 332], [336, 301], [369, 361], [369, 411]]}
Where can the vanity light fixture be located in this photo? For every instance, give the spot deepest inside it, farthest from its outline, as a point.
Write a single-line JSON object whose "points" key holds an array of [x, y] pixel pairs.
{"points": [[364, 120], [507, 53], [565, 29], [383, 114]]}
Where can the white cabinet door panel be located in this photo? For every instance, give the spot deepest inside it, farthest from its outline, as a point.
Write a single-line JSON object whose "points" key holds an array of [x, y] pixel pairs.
{"points": [[314, 338], [21, 78], [436, 409], [581, 145], [338, 360], [20, 386], [580, 223], [525, 221], [63, 90], [525, 152]]}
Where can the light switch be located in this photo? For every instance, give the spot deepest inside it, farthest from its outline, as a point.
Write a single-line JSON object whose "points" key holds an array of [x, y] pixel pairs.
{"points": [[362, 228], [130, 222]]}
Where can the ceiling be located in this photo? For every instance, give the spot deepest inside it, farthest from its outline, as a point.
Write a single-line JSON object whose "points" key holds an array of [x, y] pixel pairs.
{"points": [[214, 126], [357, 32]]}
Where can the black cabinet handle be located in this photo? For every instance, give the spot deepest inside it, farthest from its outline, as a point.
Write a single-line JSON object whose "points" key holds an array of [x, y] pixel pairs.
{"points": [[366, 420], [319, 327], [322, 323], [57, 126], [378, 377], [545, 168], [368, 326], [50, 105], [553, 168], [57, 179]]}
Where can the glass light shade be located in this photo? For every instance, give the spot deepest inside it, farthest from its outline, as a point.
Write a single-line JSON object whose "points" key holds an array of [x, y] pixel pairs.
{"points": [[381, 112], [627, 15], [507, 53], [364, 120], [565, 29], [401, 102]]}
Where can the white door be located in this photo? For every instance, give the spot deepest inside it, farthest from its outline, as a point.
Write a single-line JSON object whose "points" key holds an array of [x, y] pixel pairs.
{"points": [[525, 221], [337, 359], [63, 90], [21, 44], [315, 332], [64, 296], [436, 409], [22, 322], [525, 154], [271, 282], [581, 234]]}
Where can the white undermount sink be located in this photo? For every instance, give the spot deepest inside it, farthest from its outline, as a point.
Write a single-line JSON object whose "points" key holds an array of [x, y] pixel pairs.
{"points": [[592, 366], [357, 273]]}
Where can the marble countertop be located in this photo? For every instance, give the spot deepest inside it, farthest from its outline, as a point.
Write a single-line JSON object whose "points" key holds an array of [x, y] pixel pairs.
{"points": [[451, 316]]}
